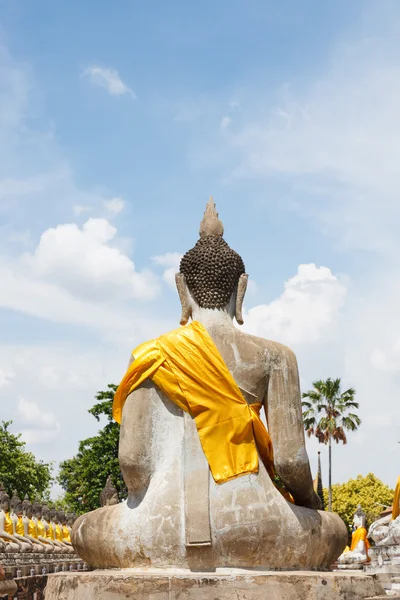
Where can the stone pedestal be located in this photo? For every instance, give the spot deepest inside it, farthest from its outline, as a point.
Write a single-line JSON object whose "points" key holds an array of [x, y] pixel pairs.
{"points": [[120, 584]]}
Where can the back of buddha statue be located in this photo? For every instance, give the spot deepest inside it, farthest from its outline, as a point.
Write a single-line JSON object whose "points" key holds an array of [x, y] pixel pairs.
{"points": [[177, 513]]}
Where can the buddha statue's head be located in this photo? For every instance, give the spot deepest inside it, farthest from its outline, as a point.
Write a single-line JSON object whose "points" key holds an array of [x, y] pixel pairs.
{"points": [[359, 517], [27, 507], [15, 503], [62, 517], [72, 519], [45, 512], [53, 515], [211, 275], [5, 501], [109, 495], [37, 510]]}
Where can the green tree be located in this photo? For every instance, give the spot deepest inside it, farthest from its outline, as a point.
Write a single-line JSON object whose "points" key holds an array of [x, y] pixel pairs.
{"points": [[368, 490], [84, 476], [19, 469], [326, 415]]}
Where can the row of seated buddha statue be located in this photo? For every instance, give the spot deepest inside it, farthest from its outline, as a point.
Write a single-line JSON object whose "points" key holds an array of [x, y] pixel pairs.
{"points": [[27, 527]]}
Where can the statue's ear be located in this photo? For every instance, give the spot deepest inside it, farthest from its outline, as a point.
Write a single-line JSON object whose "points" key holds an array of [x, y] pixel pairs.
{"points": [[241, 290], [183, 296]]}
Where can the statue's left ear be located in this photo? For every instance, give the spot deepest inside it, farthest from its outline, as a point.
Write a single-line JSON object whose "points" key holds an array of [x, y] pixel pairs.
{"points": [[241, 290], [183, 296]]}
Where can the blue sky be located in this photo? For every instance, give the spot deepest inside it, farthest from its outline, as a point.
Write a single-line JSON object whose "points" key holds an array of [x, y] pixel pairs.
{"points": [[117, 123]]}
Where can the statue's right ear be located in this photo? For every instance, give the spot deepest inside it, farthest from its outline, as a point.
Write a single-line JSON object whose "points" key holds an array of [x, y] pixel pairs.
{"points": [[241, 290], [183, 296]]}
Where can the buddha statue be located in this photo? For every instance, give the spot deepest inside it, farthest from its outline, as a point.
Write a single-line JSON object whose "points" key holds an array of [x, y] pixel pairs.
{"points": [[58, 529], [65, 534], [29, 526], [209, 485], [10, 541], [16, 519], [386, 530], [48, 529], [357, 554], [109, 495], [41, 529]]}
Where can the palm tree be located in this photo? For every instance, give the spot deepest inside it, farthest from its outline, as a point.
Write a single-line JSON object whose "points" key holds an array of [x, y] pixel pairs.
{"points": [[326, 415]]}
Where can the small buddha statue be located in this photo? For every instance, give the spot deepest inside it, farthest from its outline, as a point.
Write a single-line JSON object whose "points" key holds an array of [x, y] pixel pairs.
{"points": [[208, 484], [16, 519], [40, 528], [67, 546], [109, 495], [29, 527], [11, 542], [48, 528], [65, 535], [357, 554]]}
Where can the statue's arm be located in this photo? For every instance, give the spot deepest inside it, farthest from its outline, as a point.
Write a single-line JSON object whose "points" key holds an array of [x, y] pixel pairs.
{"points": [[285, 423], [22, 538], [135, 451]]}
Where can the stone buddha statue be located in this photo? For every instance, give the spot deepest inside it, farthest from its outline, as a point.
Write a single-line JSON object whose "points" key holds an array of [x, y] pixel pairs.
{"points": [[65, 534], [16, 519], [109, 495], [29, 526], [357, 554], [41, 529], [48, 529], [10, 541], [59, 533], [209, 485]]}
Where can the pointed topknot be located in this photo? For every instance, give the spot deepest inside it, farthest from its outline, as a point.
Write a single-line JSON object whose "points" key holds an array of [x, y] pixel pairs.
{"points": [[211, 225]]}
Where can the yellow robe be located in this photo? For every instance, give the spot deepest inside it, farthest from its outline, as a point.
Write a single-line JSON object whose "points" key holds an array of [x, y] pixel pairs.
{"points": [[50, 532], [186, 365], [58, 534], [396, 501], [8, 526], [65, 534], [32, 530], [19, 528], [41, 531], [358, 535]]}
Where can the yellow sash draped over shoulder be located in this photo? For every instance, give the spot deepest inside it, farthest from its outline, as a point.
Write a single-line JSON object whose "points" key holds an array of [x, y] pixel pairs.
{"points": [[50, 532], [65, 534], [8, 526], [32, 530], [19, 528], [359, 535], [396, 501], [186, 365]]}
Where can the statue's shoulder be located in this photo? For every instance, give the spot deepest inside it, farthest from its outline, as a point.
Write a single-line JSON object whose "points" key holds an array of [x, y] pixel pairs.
{"points": [[272, 350]]}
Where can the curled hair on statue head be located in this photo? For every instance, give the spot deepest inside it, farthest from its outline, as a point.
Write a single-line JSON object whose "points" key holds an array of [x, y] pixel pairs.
{"points": [[212, 269]]}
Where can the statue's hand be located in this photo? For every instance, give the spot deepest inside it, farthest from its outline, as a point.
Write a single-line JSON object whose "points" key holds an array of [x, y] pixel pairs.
{"points": [[313, 502]]}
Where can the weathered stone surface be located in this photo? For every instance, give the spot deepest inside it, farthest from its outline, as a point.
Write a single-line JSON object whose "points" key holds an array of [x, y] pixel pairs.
{"points": [[250, 585]]}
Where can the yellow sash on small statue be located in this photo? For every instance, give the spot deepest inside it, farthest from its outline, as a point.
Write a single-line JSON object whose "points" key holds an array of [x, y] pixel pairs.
{"points": [[396, 501], [359, 535], [186, 365], [65, 534]]}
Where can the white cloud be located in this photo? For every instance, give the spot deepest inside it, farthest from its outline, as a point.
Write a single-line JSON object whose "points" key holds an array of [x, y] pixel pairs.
{"points": [[84, 262], [44, 426], [108, 79], [335, 140], [225, 122], [171, 260], [6, 377], [78, 209], [306, 310], [115, 205], [31, 413]]}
